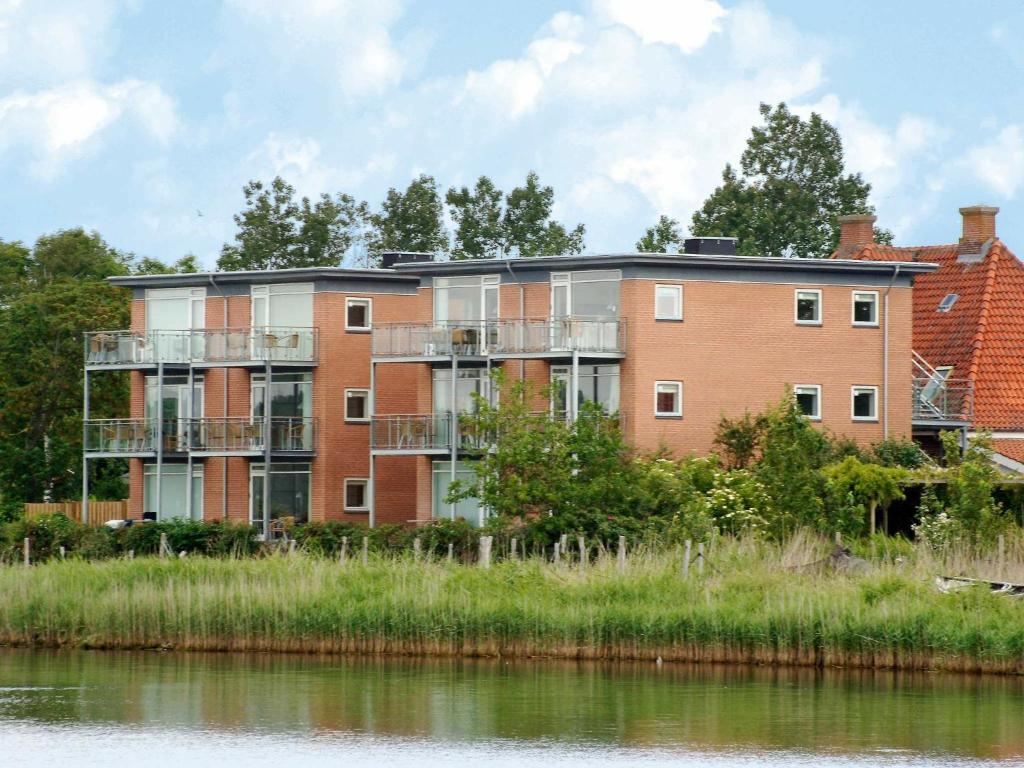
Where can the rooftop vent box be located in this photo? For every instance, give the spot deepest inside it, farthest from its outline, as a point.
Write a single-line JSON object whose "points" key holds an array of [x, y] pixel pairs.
{"points": [[388, 259], [710, 246]]}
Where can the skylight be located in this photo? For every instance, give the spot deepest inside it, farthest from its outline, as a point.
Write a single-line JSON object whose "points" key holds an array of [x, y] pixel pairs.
{"points": [[948, 301]]}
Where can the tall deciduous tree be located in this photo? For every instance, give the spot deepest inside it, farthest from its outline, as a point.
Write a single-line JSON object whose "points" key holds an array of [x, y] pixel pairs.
{"points": [[663, 237], [791, 187], [52, 294], [409, 221], [490, 224], [150, 266], [276, 231]]}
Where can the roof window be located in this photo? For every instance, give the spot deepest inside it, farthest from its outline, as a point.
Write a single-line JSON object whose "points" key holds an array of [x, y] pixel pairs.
{"points": [[948, 301]]}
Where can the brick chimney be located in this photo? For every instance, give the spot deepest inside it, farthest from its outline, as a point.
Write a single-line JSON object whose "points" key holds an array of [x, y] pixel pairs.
{"points": [[856, 229], [979, 223]]}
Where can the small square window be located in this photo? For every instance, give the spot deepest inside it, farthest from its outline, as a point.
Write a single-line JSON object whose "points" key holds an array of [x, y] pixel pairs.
{"points": [[865, 308], [808, 399], [865, 403], [357, 495], [357, 405], [808, 307], [668, 398], [358, 314], [668, 302]]}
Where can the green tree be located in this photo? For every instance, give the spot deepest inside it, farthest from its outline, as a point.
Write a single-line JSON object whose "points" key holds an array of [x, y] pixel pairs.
{"points": [[970, 486], [59, 292], [412, 220], [277, 232], [791, 188], [150, 266], [663, 237], [490, 224], [870, 486]]}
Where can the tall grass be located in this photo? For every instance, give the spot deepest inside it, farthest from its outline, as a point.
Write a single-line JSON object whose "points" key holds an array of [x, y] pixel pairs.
{"points": [[750, 605]]}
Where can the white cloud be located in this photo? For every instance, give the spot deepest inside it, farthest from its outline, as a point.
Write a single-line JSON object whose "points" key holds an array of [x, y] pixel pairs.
{"points": [[56, 124], [686, 24], [351, 37], [999, 163]]}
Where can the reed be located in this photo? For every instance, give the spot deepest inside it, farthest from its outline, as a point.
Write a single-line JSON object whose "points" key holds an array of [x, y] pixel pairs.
{"points": [[750, 605]]}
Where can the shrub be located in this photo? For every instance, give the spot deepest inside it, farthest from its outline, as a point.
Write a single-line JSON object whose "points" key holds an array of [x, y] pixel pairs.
{"points": [[325, 538]]}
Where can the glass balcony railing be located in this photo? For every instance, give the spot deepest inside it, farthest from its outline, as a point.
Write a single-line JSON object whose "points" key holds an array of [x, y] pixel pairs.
{"points": [[213, 435], [124, 436], [942, 400], [500, 337], [209, 346]]}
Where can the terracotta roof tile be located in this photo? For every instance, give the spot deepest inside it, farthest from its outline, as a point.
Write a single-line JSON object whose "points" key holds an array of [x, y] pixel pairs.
{"points": [[982, 336], [1011, 449]]}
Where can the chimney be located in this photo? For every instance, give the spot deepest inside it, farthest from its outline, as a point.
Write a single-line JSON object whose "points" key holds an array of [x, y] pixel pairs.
{"points": [[856, 229], [979, 223]]}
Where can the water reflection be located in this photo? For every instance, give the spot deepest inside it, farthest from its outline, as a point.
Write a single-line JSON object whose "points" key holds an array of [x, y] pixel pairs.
{"points": [[713, 709]]}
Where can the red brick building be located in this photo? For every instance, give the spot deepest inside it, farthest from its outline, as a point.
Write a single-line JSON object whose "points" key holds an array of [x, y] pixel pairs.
{"points": [[968, 326], [348, 383]]}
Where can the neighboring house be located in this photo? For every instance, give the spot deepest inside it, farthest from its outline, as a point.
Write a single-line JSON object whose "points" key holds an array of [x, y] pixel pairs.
{"points": [[968, 326], [348, 384]]}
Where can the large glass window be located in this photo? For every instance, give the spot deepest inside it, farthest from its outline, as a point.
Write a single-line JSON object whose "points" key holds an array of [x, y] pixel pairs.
{"points": [[291, 395], [176, 311], [470, 508], [469, 382], [288, 305], [592, 294], [173, 491], [174, 408], [597, 384], [466, 299], [289, 492]]}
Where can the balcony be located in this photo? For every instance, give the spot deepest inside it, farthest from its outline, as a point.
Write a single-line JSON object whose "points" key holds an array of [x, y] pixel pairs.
{"points": [[516, 338], [203, 437], [940, 402], [205, 347]]}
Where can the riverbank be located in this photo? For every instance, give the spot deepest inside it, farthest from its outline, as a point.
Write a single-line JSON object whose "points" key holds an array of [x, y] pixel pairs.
{"points": [[749, 606]]}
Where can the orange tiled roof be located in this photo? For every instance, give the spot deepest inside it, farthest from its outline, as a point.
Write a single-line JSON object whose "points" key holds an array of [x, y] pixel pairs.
{"points": [[982, 336], [1011, 449]]}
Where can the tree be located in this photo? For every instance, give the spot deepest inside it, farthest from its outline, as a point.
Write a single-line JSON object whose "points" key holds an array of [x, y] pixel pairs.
{"points": [[410, 221], [276, 232], [870, 486], [149, 266], [663, 237], [791, 188], [490, 224], [53, 294]]}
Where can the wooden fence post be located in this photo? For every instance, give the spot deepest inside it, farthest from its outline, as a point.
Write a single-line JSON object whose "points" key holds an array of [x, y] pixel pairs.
{"points": [[839, 539], [621, 556], [1002, 555], [344, 549], [514, 544], [366, 550], [26, 547], [291, 547], [700, 558], [416, 548], [485, 551], [451, 551], [563, 544], [687, 545], [164, 547], [583, 552], [555, 559], [62, 553]]}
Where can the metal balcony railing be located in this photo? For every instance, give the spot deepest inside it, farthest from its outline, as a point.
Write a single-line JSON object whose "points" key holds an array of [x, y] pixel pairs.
{"points": [[120, 436], [248, 435], [210, 346], [942, 400], [500, 337]]}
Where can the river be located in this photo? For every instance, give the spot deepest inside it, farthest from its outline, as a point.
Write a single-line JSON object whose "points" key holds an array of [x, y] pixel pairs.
{"points": [[91, 708]]}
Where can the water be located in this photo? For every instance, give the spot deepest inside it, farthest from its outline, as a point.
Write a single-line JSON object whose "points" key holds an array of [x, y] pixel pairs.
{"points": [[85, 709]]}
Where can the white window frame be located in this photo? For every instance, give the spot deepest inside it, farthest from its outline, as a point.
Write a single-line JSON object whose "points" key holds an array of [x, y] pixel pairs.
{"points": [[678, 412], [796, 306], [853, 309], [857, 389], [678, 291], [352, 391], [365, 481], [817, 395], [350, 300]]}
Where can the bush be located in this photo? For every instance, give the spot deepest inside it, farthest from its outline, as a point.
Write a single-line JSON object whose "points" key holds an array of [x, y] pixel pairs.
{"points": [[48, 533], [325, 538]]}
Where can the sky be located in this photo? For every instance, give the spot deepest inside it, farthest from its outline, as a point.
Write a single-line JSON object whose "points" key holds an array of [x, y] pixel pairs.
{"points": [[143, 119]]}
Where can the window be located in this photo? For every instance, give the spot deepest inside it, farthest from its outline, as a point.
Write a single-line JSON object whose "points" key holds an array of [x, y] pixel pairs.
{"points": [[592, 294], [469, 382], [948, 301], [357, 405], [808, 307], [597, 384], [289, 492], [357, 497], [174, 495], [808, 399], [358, 314], [668, 302], [466, 299], [865, 403], [668, 399], [176, 309], [174, 406], [865, 308], [469, 509]]}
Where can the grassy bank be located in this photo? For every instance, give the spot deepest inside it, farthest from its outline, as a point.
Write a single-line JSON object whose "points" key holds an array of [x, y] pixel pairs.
{"points": [[750, 605]]}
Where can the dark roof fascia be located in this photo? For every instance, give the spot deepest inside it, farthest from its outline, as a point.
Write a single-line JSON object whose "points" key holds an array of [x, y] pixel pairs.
{"points": [[260, 277], [611, 261]]}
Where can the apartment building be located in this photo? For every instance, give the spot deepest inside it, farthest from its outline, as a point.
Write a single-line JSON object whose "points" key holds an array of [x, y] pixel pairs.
{"points": [[968, 330], [336, 393]]}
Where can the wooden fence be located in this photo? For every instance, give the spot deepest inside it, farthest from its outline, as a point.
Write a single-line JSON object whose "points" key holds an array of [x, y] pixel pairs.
{"points": [[99, 511]]}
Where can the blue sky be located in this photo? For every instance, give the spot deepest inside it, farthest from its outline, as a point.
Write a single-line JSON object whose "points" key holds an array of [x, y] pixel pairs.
{"points": [[143, 119]]}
